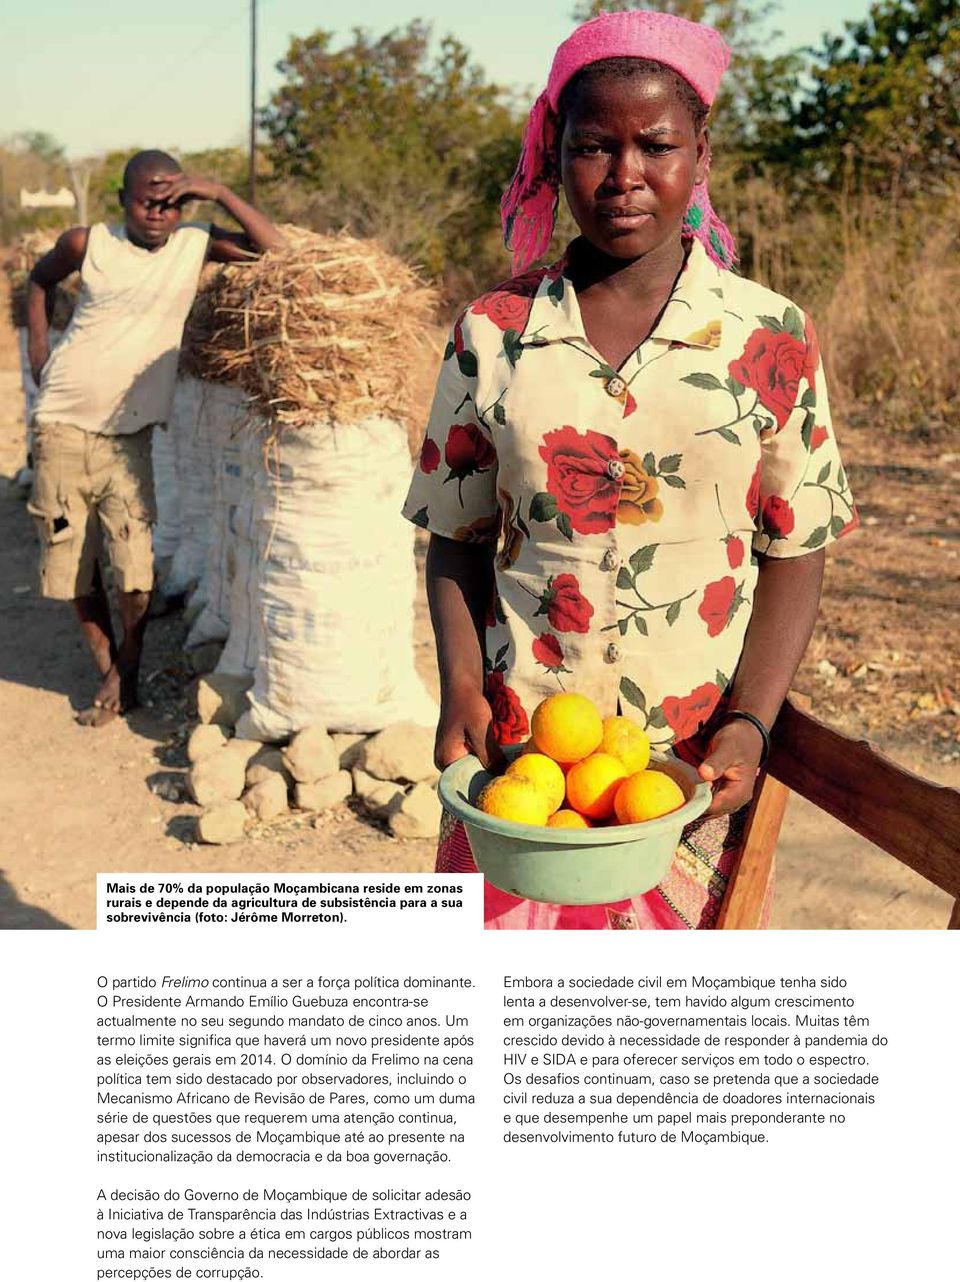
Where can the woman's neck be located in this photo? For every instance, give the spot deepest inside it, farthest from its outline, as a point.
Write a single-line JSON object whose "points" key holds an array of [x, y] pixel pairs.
{"points": [[638, 280], [621, 302]]}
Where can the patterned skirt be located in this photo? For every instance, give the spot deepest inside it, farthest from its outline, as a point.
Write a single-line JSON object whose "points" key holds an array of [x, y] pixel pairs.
{"points": [[688, 898]]}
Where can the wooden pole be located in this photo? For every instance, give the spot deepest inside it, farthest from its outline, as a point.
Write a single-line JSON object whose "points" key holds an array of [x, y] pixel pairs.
{"points": [[80, 172], [253, 101]]}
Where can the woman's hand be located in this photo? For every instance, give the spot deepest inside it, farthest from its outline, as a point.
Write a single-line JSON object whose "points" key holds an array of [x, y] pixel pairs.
{"points": [[466, 726], [731, 765]]}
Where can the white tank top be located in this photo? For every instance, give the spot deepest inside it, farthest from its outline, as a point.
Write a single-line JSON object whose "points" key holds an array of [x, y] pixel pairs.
{"points": [[114, 370]]}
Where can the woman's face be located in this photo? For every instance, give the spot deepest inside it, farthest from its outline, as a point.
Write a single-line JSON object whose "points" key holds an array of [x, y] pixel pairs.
{"points": [[630, 156]]}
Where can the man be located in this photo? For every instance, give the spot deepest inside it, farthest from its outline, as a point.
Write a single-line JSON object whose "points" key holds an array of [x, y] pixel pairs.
{"points": [[104, 388]]}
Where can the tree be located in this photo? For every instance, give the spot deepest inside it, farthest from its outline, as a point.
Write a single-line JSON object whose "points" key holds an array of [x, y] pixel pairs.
{"points": [[32, 160], [42, 145], [388, 140], [736, 20], [886, 95]]}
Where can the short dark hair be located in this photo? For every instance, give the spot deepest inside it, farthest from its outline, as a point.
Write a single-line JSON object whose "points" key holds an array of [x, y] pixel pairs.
{"points": [[624, 69], [158, 162]]}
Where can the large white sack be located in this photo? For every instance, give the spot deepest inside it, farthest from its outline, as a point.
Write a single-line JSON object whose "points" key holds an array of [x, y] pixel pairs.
{"points": [[166, 533], [225, 411], [337, 586], [240, 652], [195, 482]]}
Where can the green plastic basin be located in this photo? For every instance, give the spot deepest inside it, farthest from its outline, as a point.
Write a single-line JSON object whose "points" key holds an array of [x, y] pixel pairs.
{"points": [[571, 865]]}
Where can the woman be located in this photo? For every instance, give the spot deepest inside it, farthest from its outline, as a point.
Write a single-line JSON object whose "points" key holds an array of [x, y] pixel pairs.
{"points": [[648, 435]]}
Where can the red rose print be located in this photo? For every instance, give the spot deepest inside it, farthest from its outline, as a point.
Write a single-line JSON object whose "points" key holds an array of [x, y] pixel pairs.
{"points": [[778, 518], [772, 364], [429, 456], [687, 715], [753, 494], [547, 650], [510, 724], [509, 305], [852, 524], [468, 450], [812, 363], [584, 476], [734, 551], [494, 612], [717, 605], [817, 438], [458, 343], [567, 609]]}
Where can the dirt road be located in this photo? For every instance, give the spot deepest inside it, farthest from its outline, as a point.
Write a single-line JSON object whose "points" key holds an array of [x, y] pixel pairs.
{"points": [[74, 802]]}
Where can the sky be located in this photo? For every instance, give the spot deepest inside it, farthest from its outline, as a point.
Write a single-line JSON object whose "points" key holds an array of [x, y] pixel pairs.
{"points": [[108, 74]]}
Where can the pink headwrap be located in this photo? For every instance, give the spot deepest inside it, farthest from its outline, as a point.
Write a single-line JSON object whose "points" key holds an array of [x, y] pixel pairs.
{"points": [[699, 54]]}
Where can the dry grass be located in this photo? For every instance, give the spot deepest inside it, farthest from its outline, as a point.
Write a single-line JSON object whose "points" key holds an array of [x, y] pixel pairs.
{"points": [[326, 329], [18, 263], [891, 328], [25, 251], [881, 279]]}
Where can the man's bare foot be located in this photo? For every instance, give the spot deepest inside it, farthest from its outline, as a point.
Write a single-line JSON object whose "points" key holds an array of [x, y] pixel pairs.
{"points": [[119, 666], [116, 696]]}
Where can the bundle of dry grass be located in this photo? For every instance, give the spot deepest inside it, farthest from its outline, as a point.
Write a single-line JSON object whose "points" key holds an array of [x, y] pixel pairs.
{"points": [[26, 249], [326, 329], [18, 264]]}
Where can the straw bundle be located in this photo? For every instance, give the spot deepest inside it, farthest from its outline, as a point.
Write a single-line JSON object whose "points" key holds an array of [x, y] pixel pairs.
{"points": [[325, 329], [26, 249], [21, 256]]}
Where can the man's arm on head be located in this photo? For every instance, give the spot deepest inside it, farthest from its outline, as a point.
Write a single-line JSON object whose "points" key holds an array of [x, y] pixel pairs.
{"points": [[63, 260], [258, 235], [233, 246]]}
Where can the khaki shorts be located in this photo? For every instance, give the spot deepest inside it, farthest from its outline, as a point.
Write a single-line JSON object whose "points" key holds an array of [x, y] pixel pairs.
{"points": [[90, 490]]}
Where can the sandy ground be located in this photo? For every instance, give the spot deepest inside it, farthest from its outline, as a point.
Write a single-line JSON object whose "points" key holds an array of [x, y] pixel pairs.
{"points": [[74, 802]]}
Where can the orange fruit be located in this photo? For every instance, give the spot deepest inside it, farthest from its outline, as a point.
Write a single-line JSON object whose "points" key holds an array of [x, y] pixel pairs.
{"points": [[515, 799], [568, 819], [648, 794], [626, 741], [592, 784], [566, 727], [543, 773]]}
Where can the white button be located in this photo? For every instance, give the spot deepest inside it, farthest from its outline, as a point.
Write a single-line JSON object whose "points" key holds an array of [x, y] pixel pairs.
{"points": [[613, 653], [610, 560], [615, 469], [615, 386]]}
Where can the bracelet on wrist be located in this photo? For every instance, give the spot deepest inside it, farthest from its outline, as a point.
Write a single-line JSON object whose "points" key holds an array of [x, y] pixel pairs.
{"points": [[739, 714]]}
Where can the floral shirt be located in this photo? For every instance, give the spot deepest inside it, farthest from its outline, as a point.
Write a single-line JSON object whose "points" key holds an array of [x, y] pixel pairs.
{"points": [[629, 505]]}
